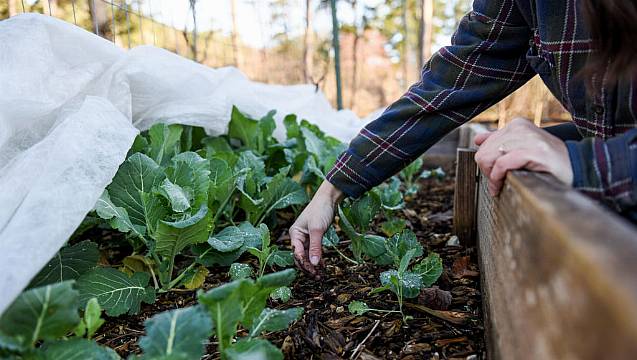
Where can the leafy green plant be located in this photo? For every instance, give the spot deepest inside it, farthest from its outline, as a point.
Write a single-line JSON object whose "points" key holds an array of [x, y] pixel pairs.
{"points": [[243, 302], [406, 282], [269, 254], [410, 175], [46, 314], [331, 239], [361, 307], [91, 321]]}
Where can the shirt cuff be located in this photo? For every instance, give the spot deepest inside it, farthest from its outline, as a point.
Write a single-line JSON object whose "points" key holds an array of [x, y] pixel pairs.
{"points": [[351, 176]]}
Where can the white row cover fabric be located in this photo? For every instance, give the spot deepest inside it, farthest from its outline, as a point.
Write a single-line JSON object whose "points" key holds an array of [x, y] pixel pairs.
{"points": [[71, 104]]}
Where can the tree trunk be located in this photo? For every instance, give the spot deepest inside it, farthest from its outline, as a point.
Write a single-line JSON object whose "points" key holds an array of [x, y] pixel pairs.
{"points": [[307, 43], [357, 35], [236, 59], [193, 46], [405, 49], [337, 56], [421, 35], [99, 17], [428, 10]]}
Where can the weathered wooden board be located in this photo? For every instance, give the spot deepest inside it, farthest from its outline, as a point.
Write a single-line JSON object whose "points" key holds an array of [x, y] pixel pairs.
{"points": [[559, 273], [464, 197]]}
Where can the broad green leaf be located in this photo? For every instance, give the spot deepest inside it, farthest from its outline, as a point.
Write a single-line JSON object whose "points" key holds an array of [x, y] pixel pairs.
{"points": [[410, 282], [390, 195], [222, 183], [75, 349], [266, 128], [283, 294], [173, 237], [216, 145], [132, 187], [117, 216], [226, 309], [429, 269], [399, 244], [176, 195], [393, 226], [292, 128], [281, 258], [195, 278], [240, 271], [91, 320], [234, 238], [115, 291], [330, 238], [256, 297], [362, 211], [243, 128], [164, 142], [358, 308], [44, 313], [179, 333], [405, 261], [136, 263], [410, 171], [191, 172], [68, 264], [257, 349], [313, 143], [140, 144], [274, 320], [282, 192]]}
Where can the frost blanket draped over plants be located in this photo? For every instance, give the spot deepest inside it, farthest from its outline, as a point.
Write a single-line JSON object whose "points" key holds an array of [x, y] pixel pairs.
{"points": [[71, 104]]}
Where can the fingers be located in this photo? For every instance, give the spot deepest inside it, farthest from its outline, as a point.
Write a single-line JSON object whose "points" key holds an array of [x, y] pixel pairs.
{"points": [[480, 138], [514, 160], [316, 237], [299, 239]]}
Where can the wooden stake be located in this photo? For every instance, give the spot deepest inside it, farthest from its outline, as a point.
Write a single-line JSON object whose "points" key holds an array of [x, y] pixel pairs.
{"points": [[464, 201]]}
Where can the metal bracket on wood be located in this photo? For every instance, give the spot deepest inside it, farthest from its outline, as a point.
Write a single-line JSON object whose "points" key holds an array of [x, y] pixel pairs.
{"points": [[465, 195]]}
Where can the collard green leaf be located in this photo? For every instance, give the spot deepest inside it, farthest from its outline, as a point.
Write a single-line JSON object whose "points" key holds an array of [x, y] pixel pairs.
{"points": [[195, 278], [358, 308], [330, 238], [117, 216], [240, 271], [274, 320], [411, 283], [280, 193], [44, 313], [164, 142], [234, 238], [179, 333], [75, 349], [243, 128], [390, 195], [253, 349], [176, 195], [116, 292], [132, 188], [172, 237], [226, 309], [313, 144], [292, 128], [191, 172], [283, 294], [429, 269], [222, 183], [393, 226], [68, 264], [363, 210], [399, 244], [410, 171], [91, 320], [281, 258]]}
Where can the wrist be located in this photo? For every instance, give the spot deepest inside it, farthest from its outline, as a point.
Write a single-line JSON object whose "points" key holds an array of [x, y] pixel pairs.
{"points": [[331, 192]]}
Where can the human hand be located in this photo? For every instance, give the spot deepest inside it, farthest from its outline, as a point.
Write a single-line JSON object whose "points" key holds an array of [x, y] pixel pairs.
{"points": [[306, 234], [521, 145]]}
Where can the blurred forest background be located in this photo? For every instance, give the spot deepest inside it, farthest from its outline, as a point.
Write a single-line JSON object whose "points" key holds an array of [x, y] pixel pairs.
{"points": [[382, 44]]}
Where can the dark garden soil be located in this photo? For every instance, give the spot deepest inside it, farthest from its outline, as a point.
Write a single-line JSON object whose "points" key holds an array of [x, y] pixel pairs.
{"points": [[447, 319]]}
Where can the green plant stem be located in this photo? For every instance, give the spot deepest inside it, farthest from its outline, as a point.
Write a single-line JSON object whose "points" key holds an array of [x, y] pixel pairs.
{"points": [[176, 280], [344, 256], [221, 207]]}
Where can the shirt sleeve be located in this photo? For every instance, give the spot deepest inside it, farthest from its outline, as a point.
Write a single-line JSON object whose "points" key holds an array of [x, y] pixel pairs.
{"points": [[607, 170], [485, 62]]}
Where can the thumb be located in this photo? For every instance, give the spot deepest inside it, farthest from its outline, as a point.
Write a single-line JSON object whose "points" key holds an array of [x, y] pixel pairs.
{"points": [[480, 138], [316, 237]]}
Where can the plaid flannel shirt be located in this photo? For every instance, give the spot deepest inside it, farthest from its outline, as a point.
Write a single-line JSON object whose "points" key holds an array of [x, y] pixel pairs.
{"points": [[497, 48]]}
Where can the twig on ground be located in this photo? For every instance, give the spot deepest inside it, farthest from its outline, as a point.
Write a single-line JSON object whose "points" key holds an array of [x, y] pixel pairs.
{"points": [[358, 348]]}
